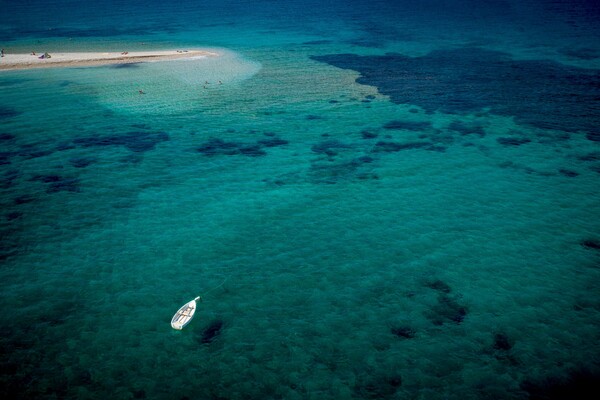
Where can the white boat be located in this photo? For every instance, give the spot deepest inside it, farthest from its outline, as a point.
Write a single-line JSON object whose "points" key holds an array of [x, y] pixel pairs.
{"points": [[184, 315]]}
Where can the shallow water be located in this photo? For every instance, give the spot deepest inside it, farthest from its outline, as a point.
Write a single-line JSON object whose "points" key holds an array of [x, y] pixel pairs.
{"points": [[381, 200]]}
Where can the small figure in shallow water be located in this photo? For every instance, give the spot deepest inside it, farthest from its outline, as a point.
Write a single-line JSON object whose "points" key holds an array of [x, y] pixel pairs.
{"points": [[2, 51], [141, 91], [220, 83]]}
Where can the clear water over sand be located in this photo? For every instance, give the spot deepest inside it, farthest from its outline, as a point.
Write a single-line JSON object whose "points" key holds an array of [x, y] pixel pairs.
{"points": [[376, 184]]}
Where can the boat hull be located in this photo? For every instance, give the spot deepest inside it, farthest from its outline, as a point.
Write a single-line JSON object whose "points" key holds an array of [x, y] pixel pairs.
{"points": [[184, 315]]}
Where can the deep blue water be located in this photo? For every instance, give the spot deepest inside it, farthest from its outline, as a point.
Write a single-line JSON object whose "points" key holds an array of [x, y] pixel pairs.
{"points": [[383, 199]]}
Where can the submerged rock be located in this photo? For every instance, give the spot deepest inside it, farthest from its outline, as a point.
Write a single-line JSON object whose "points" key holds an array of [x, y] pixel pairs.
{"points": [[218, 147], [252, 150], [46, 178], [502, 342], [392, 147], [9, 178], [137, 142], [31, 152], [329, 147], [331, 172], [404, 332], [568, 173], [6, 136], [542, 93], [5, 157], [8, 112], [378, 387], [407, 125], [57, 183], [466, 129], [571, 385], [439, 285], [24, 199], [447, 309], [369, 135], [211, 332], [583, 53], [64, 185], [591, 157], [512, 141], [215, 147], [13, 215], [82, 162], [593, 136], [273, 142], [591, 244]]}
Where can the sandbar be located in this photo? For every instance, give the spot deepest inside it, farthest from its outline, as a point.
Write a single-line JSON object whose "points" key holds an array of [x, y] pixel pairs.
{"points": [[88, 59]]}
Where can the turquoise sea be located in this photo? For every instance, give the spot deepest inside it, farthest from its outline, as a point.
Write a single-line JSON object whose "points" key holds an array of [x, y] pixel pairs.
{"points": [[382, 200]]}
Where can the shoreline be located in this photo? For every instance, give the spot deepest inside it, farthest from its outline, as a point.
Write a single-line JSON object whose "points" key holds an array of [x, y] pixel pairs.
{"points": [[12, 62]]}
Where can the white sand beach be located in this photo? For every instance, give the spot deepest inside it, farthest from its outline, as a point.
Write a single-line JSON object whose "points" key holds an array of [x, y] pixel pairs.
{"points": [[85, 59]]}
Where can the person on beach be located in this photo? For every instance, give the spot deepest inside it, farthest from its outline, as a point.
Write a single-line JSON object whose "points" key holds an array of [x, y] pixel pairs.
{"points": [[33, 53], [2, 52]]}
